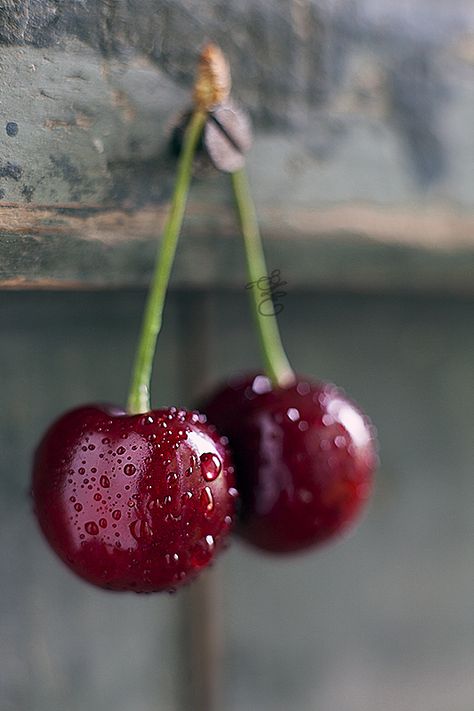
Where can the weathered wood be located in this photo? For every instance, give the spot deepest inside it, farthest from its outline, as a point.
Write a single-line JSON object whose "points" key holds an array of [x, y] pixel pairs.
{"points": [[314, 249], [361, 116]]}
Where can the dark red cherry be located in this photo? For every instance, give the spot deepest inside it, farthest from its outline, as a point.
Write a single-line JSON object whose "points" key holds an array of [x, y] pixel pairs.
{"points": [[304, 457], [134, 502]]}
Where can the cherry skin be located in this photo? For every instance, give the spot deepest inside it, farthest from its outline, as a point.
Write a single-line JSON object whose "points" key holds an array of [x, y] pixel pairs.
{"points": [[134, 502], [304, 459]]}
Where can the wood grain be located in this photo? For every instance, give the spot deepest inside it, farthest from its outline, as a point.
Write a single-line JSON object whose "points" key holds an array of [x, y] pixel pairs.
{"points": [[360, 118]]}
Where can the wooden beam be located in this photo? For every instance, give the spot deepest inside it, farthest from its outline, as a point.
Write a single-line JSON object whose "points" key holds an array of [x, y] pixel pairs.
{"points": [[362, 162]]}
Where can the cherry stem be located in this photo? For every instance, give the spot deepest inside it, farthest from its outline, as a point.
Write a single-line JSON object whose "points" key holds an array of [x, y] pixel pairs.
{"points": [[139, 394], [276, 363]]}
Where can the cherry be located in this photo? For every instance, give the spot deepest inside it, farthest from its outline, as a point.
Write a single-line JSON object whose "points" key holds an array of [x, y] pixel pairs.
{"points": [[304, 458], [134, 502]]}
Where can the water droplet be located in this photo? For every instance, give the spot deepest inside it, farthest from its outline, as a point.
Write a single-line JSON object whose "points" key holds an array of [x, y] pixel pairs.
{"points": [[104, 481], [116, 514], [233, 492], [140, 529], [202, 552], [84, 449], [293, 414], [172, 479], [81, 470], [187, 496], [340, 441], [171, 558], [228, 520], [211, 466], [91, 528], [91, 447], [97, 497], [303, 426], [103, 522], [207, 500], [303, 388], [106, 440], [189, 471], [78, 507], [120, 450], [153, 504], [147, 420], [129, 469], [72, 499], [261, 385]]}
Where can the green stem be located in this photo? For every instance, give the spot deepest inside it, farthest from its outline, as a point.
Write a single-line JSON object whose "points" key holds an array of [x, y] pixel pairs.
{"points": [[275, 360], [139, 394]]}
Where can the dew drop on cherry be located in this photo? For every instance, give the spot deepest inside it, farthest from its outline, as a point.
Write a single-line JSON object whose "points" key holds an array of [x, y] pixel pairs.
{"points": [[140, 529], [172, 479], [211, 466], [207, 500]]}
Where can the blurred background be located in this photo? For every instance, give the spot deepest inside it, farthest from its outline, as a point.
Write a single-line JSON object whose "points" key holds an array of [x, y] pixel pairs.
{"points": [[363, 172]]}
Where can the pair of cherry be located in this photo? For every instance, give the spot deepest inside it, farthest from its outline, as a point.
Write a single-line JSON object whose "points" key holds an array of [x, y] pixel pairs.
{"points": [[143, 499]]}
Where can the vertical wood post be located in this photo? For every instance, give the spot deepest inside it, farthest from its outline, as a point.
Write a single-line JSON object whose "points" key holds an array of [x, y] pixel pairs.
{"points": [[200, 623]]}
